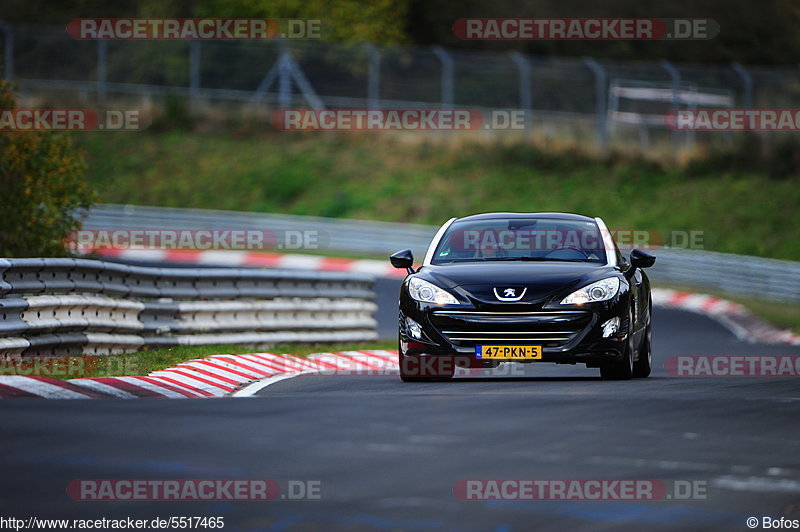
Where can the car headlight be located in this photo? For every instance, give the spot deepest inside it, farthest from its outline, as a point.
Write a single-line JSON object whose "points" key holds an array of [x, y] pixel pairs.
{"points": [[429, 293], [598, 291]]}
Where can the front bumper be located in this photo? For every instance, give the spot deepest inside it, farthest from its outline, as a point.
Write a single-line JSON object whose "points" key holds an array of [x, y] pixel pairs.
{"points": [[568, 335]]}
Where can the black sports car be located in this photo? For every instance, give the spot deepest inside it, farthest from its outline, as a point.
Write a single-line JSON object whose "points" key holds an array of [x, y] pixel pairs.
{"points": [[524, 287]]}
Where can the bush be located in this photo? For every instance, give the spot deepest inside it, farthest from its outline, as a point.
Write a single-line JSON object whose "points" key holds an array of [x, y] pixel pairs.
{"points": [[42, 183]]}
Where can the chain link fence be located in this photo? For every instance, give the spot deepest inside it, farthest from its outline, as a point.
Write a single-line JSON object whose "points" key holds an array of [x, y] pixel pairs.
{"points": [[565, 98]]}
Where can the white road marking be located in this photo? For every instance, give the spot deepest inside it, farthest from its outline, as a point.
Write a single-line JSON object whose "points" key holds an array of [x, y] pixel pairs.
{"points": [[252, 389]]}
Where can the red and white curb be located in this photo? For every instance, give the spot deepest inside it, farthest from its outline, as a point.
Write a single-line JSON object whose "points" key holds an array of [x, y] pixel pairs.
{"points": [[262, 259], [214, 376], [734, 316]]}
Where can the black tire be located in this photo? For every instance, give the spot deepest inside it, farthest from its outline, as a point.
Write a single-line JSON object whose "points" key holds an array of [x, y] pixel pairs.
{"points": [[622, 370], [413, 370], [405, 372], [644, 365]]}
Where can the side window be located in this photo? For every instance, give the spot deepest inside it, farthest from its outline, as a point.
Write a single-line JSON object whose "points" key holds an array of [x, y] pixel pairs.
{"points": [[444, 246]]}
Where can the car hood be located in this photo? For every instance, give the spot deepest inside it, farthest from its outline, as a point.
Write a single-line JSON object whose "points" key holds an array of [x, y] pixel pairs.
{"points": [[539, 280]]}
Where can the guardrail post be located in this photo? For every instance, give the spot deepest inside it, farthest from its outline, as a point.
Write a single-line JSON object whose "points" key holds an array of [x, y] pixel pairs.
{"points": [[8, 34], [600, 102], [284, 71], [373, 76], [285, 81], [747, 81], [102, 73], [194, 73], [447, 76], [675, 76], [525, 89]]}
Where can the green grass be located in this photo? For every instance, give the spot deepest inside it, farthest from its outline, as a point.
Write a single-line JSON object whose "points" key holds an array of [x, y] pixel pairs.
{"points": [[145, 362], [408, 179]]}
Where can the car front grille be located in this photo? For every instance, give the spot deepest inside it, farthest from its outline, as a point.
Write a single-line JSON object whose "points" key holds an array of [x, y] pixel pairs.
{"points": [[545, 328]]}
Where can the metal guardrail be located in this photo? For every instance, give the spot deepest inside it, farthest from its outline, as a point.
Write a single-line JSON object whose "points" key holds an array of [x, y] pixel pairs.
{"points": [[729, 273], [724, 272], [335, 234], [60, 306]]}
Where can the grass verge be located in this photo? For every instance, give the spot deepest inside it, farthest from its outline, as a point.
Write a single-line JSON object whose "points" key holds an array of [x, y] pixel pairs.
{"points": [[738, 209], [145, 362]]}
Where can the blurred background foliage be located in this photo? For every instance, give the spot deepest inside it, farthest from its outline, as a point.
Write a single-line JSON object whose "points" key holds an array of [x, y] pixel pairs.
{"points": [[752, 32], [42, 182], [742, 194]]}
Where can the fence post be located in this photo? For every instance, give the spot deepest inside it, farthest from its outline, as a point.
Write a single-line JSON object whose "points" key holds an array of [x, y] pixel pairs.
{"points": [[194, 73], [284, 71], [447, 76], [285, 81], [600, 102], [675, 76], [373, 76], [525, 89], [102, 73], [747, 81], [8, 33]]}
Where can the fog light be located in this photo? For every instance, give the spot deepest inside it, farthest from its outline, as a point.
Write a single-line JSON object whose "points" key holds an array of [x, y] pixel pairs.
{"points": [[414, 329], [610, 327]]}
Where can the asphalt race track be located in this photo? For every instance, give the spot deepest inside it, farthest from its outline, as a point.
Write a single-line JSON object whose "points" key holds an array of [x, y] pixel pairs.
{"points": [[388, 454]]}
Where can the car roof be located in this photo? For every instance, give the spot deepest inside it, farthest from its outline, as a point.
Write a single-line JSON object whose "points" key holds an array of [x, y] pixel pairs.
{"points": [[527, 215]]}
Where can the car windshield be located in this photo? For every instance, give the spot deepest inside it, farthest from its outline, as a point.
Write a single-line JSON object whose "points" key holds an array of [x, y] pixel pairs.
{"points": [[521, 239]]}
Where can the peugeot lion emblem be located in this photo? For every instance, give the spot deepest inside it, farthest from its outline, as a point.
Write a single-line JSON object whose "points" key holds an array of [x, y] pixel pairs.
{"points": [[509, 293]]}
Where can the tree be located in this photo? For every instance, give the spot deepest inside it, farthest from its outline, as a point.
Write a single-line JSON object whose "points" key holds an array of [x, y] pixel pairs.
{"points": [[42, 183], [379, 21]]}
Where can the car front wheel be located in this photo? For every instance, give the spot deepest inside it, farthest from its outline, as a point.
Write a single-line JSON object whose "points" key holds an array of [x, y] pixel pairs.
{"points": [[644, 365], [425, 369]]}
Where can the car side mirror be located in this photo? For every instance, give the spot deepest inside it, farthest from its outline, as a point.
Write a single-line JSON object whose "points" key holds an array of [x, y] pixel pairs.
{"points": [[642, 259], [403, 259]]}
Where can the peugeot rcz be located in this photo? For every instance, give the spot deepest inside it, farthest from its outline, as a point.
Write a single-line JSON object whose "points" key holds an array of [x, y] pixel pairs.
{"points": [[527, 288]]}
